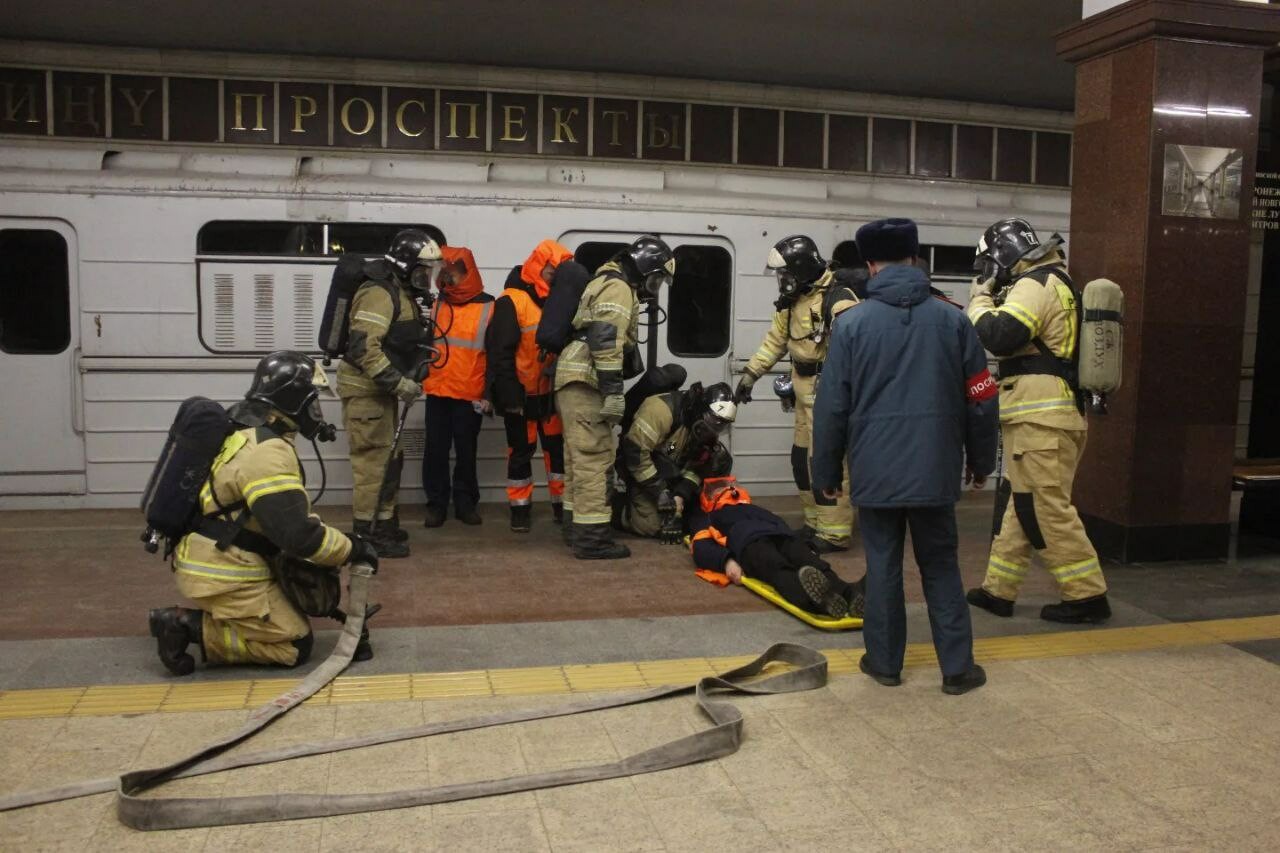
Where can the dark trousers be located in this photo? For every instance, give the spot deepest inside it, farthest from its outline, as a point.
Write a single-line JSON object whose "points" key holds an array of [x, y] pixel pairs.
{"points": [[451, 423], [934, 541], [776, 559]]}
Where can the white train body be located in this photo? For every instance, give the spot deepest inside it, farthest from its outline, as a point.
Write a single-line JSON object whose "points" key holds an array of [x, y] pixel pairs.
{"points": [[154, 321]]}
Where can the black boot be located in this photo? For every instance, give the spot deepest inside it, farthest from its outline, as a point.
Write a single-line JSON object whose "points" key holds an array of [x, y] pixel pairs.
{"points": [[825, 546], [434, 517], [521, 518], [595, 542], [954, 685], [824, 597], [1093, 611], [883, 678], [394, 531], [557, 513], [856, 595], [382, 541], [175, 628], [979, 597], [467, 515], [566, 527]]}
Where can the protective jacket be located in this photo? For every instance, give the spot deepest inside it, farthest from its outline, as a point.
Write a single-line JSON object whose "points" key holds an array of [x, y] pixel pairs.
{"points": [[658, 451], [1039, 305], [906, 392], [606, 323], [388, 338], [516, 376], [725, 532], [802, 330], [462, 375], [258, 471]]}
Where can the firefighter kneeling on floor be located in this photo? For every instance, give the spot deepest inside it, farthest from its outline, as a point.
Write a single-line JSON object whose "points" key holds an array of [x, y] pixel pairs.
{"points": [[664, 455], [733, 536], [256, 516], [1025, 310]]}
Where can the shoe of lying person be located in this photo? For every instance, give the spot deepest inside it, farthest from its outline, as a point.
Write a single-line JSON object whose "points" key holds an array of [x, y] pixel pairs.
{"points": [[979, 597], [972, 679], [820, 591], [856, 595], [1094, 611]]}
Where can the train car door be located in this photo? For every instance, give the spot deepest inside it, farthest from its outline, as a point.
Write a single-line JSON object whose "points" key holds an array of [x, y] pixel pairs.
{"points": [[694, 314], [41, 439]]}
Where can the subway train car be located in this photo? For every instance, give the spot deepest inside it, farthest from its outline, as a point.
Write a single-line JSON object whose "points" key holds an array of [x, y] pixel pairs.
{"points": [[141, 273]]}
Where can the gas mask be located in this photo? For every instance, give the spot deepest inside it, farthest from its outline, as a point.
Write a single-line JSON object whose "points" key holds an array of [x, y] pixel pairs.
{"points": [[310, 419], [652, 284], [423, 277]]}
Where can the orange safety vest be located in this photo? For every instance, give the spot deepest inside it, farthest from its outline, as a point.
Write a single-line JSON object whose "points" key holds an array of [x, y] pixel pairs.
{"points": [[462, 375], [528, 369]]}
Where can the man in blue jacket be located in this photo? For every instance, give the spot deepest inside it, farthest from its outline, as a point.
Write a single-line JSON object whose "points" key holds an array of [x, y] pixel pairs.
{"points": [[906, 394]]}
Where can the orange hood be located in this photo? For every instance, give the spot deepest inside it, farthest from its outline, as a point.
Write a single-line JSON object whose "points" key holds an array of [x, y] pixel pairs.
{"points": [[471, 285], [546, 252], [720, 492]]}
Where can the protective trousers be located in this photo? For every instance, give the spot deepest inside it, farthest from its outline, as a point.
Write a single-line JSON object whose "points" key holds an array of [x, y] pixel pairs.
{"points": [[831, 520], [1041, 466], [249, 623], [640, 514], [588, 453], [935, 543], [371, 426], [523, 436]]}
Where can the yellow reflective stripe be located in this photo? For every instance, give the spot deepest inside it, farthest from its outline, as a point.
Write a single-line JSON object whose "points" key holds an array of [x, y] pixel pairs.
{"points": [[270, 486], [1023, 315], [370, 317], [691, 477], [1038, 406], [328, 549], [977, 312], [646, 429], [600, 309], [1073, 571], [608, 363], [997, 566], [380, 364], [1068, 300], [220, 571]]}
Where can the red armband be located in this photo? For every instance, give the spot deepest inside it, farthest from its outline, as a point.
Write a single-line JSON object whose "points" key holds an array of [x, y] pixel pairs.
{"points": [[981, 387]]}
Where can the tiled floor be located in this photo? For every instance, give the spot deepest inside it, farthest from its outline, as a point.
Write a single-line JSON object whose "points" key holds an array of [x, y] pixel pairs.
{"points": [[1148, 750]]}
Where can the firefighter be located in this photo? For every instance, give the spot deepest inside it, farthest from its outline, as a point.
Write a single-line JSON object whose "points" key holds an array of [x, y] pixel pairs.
{"points": [[243, 615], [664, 456], [1025, 311], [810, 297], [520, 383], [388, 354], [456, 391], [588, 385]]}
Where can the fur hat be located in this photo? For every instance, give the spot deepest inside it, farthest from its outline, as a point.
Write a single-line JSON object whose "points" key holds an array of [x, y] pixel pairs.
{"points": [[888, 240]]}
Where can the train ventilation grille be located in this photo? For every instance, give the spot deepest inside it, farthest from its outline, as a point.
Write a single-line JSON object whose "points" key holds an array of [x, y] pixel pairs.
{"points": [[414, 441], [264, 301], [304, 314], [224, 311]]}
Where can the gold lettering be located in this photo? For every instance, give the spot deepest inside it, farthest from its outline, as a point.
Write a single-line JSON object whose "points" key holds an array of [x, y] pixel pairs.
{"points": [[136, 105], [304, 106], [662, 137], [88, 107], [13, 106], [474, 109], [400, 125], [562, 124], [369, 116], [510, 122], [615, 115], [258, 100]]}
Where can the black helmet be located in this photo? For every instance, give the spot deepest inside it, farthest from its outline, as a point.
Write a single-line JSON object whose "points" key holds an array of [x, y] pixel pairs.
{"points": [[652, 263], [797, 263], [709, 411], [291, 383], [1012, 240], [412, 250]]}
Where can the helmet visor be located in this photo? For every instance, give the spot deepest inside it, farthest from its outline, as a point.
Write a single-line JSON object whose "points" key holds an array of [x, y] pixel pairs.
{"points": [[654, 282], [788, 284]]}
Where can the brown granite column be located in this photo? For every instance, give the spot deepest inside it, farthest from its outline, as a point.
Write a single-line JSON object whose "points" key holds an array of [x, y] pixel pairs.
{"points": [[1153, 75]]}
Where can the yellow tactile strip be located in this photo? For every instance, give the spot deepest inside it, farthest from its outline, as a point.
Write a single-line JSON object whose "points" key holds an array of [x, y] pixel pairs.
{"points": [[233, 695]]}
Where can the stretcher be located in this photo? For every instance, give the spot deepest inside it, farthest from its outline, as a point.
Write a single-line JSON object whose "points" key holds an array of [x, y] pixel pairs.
{"points": [[769, 594]]}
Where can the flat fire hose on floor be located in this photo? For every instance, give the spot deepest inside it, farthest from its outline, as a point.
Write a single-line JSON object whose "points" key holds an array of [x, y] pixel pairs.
{"points": [[809, 671]]}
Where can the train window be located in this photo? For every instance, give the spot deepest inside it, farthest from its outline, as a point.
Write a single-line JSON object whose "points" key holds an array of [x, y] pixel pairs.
{"points": [[953, 260], [260, 238], [370, 238], [846, 254], [698, 305], [592, 255], [35, 291]]}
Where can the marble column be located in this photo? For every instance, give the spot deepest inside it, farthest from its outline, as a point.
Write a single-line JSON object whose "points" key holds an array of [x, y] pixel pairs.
{"points": [[1167, 100]]}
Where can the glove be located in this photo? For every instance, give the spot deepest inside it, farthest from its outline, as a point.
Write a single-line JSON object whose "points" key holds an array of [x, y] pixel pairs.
{"points": [[362, 551], [611, 411], [981, 287], [743, 394], [671, 531], [407, 390]]}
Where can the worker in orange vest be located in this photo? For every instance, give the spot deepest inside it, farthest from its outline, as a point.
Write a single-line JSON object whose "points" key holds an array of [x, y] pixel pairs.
{"points": [[520, 383], [455, 390]]}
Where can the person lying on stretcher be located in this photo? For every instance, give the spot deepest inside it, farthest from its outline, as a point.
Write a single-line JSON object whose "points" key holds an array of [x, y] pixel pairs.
{"points": [[734, 536]]}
